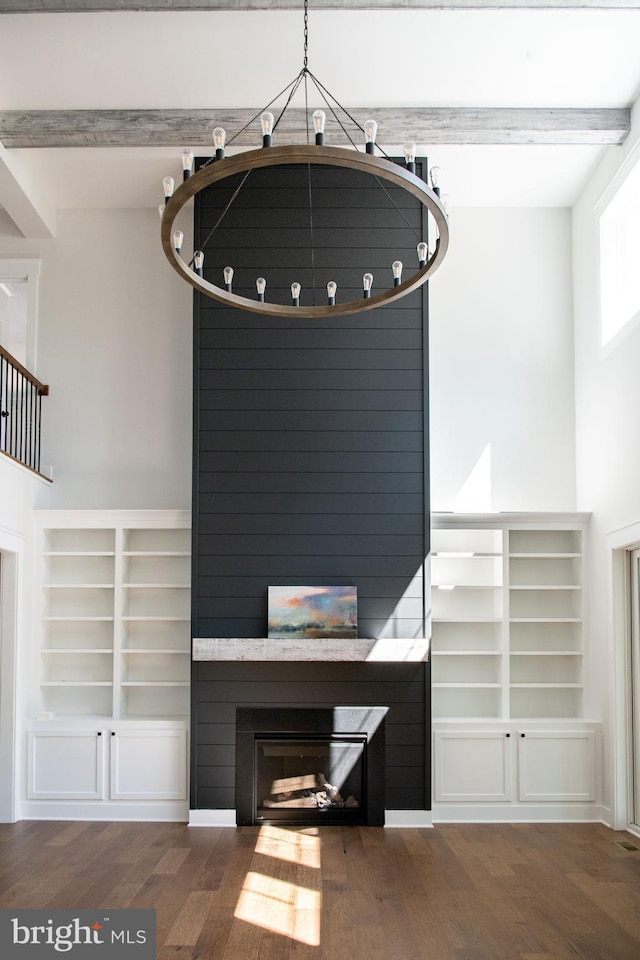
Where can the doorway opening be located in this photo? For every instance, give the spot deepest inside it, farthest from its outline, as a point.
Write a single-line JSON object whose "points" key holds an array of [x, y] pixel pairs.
{"points": [[8, 648], [633, 666]]}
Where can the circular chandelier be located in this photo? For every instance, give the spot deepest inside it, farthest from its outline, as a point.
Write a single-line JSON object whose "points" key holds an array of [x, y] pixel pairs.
{"points": [[382, 168]]}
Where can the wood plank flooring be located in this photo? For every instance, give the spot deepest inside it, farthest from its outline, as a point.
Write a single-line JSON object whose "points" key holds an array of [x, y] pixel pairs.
{"points": [[457, 892]]}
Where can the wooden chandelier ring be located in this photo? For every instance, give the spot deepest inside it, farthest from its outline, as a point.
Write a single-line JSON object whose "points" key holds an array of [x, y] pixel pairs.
{"points": [[303, 154]]}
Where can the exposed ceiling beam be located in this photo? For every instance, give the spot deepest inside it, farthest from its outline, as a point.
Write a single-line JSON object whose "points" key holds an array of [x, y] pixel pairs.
{"points": [[31, 214], [21, 129], [92, 6]]}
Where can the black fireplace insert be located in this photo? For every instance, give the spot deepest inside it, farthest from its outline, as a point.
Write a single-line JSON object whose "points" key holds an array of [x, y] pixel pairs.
{"points": [[310, 767]]}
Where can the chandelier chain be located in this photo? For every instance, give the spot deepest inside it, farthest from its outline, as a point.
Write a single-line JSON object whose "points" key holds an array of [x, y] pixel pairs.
{"points": [[306, 33]]}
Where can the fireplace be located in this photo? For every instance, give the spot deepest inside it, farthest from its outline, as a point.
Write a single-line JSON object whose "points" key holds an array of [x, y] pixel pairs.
{"points": [[316, 767]]}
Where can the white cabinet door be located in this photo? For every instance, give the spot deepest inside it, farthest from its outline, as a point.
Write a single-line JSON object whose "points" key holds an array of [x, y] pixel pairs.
{"points": [[148, 764], [65, 764], [557, 765], [471, 765]]}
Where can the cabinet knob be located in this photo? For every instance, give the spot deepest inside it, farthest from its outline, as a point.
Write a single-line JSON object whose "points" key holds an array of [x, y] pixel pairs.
{"points": [[507, 734], [113, 733], [99, 734], [522, 734]]}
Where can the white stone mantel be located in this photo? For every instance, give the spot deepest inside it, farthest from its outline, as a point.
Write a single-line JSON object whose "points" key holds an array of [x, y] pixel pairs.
{"points": [[389, 650]]}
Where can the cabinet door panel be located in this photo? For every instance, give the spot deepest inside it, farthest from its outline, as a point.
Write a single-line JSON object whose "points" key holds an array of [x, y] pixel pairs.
{"points": [[556, 765], [65, 765], [149, 765], [472, 766]]}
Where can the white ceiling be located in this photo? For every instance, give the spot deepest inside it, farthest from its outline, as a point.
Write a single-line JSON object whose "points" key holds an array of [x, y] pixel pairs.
{"points": [[456, 58]]}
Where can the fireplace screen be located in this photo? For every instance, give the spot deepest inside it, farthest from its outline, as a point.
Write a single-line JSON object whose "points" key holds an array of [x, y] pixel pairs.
{"points": [[310, 780]]}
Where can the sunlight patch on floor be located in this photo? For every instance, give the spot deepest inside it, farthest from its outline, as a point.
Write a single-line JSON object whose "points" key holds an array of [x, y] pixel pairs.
{"points": [[295, 846], [281, 907]]}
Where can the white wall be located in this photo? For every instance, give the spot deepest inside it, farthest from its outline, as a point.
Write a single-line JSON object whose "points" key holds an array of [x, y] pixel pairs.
{"points": [[607, 422], [501, 343], [114, 344]]}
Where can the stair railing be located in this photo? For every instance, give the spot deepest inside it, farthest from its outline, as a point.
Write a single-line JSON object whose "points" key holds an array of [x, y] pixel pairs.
{"points": [[20, 412]]}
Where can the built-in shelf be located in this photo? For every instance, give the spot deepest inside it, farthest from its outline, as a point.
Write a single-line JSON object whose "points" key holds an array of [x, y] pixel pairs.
{"points": [[507, 618], [115, 614]]}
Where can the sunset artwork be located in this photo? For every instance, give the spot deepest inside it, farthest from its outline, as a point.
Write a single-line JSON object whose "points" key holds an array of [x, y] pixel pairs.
{"points": [[313, 612]]}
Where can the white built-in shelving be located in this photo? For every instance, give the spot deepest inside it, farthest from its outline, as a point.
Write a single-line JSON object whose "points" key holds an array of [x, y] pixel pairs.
{"points": [[545, 622], [507, 617], [467, 599], [513, 738], [115, 637]]}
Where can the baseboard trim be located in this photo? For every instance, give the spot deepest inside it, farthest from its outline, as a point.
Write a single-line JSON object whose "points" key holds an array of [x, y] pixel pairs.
{"points": [[608, 818], [408, 818], [212, 818], [227, 818], [518, 813], [117, 810]]}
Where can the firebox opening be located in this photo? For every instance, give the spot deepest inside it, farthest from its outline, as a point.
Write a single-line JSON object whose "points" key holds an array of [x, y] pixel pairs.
{"points": [[311, 780], [310, 766]]}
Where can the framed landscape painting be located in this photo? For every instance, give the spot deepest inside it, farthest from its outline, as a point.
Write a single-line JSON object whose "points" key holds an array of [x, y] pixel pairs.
{"points": [[312, 612]]}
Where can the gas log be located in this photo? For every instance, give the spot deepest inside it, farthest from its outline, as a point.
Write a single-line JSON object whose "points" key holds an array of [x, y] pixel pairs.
{"points": [[310, 790]]}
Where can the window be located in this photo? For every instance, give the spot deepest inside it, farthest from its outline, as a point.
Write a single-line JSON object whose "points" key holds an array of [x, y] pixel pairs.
{"points": [[619, 258]]}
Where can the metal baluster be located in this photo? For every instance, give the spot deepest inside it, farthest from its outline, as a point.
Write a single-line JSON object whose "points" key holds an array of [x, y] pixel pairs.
{"points": [[3, 419], [39, 418], [34, 407], [27, 456], [11, 412], [21, 421]]}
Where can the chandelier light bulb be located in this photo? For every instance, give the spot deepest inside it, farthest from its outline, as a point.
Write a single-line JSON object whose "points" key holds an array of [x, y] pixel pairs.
{"points": [[198, 262], [423, 253], [396, 269], [370, 131], [261, 286], [168, 184], [219, 140], [319, 118], [295, 293], [187, 164], [410, 155], [332, 286], [367, 283], [178, 237], [228, 278], [161, 210], [434, 174], [445, 200], [266, 122]]}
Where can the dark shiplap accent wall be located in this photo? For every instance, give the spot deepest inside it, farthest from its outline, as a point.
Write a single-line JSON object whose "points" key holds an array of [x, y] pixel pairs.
{"points": [[311, 434], [310, 438]]}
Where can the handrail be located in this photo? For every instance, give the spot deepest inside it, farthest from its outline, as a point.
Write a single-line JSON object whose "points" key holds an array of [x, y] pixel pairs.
{"points": [[20, 412], [43, 388]]}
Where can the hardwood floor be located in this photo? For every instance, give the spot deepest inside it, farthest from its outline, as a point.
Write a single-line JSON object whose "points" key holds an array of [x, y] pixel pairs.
{"points": [[457, 892]]}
